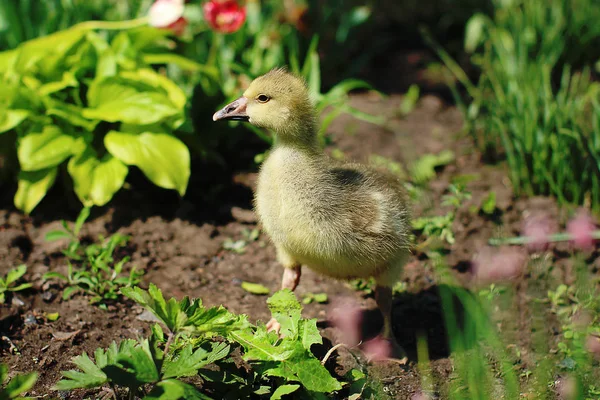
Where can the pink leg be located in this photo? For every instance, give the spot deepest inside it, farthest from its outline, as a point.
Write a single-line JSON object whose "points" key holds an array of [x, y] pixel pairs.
{"points": [[290, 280]]}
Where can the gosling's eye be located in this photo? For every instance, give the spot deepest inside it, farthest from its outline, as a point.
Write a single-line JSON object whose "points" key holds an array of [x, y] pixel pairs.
{"points": [[262, 98]]}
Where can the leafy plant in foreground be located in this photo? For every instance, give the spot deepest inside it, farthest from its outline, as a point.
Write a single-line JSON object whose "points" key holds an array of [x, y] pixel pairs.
{"points": [[95, 272], [189, 341], [16, 386], [7, 284]]}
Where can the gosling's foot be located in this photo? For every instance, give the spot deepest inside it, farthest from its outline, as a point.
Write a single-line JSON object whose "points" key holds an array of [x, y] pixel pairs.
{"points": [[273, 326]]}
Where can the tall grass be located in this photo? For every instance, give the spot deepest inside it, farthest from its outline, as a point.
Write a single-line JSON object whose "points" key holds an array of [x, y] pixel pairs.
{"points": [[535, 102]]}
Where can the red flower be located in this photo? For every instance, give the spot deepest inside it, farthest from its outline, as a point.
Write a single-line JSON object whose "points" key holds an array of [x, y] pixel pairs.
{"points": [[225, 16], [168, 14]]}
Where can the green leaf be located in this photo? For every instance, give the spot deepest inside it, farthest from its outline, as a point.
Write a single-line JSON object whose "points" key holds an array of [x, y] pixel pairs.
{"points": [[90, 375], [423, 170], [474, 32], [20, 384], [39, 150], [70, 291], [255, 288], [15, 274], [488, 204], [172, 389], [70, 114], [130, 101], [308, 333], [188, 363], [33, 186], [282, 390], [20, 287], [96, 181], [169, 313], [9, 119], [163, 158], [3, 373], [52, 236], [286, 309], [139, 360], [67, 80], [158, 81], [55, 275]]}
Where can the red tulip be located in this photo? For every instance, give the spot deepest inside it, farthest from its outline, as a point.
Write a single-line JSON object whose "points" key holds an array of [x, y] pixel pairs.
{"points": [[225, 16], [168, 14]]}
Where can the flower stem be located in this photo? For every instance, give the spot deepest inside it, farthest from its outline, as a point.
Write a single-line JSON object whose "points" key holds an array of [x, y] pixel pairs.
{"points": [[557, 237]]}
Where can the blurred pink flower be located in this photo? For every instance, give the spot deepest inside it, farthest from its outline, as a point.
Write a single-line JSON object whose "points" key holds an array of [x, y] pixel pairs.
{"points": [[168, 14], [225, 16], [538, 228], [346, 315], [566, 388], [498, 265], [377, 349], [420, 396], [592, 344], [581, 228]]}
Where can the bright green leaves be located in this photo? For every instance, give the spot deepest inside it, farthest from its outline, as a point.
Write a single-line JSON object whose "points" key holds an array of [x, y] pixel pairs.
{"points": [[32, 188], [96, 180], [128, 99], [163, 158], [64, 93], [48, 148]]}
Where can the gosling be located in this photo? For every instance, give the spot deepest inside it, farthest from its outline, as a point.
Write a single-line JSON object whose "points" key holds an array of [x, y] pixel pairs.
{"points": [[344, 221]]}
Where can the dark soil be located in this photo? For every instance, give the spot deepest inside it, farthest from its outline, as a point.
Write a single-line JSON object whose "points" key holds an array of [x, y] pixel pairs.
{"points": [[178, 243]]}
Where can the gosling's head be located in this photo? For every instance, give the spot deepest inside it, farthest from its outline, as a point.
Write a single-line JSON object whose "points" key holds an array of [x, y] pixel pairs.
{"points": [[278, 101]]}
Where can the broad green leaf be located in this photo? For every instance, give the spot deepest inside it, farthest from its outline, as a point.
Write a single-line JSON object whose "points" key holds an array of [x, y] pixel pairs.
{"points": [[158, 81], [282, 390], [47, 52], [15, 274], [255, 288], [308, 333], [39, 150], [9, 119], [32, 188], [96, 181], [163, 158], [20, 384], [126, 100], [90, 375], [172, 389], [20, 287]]}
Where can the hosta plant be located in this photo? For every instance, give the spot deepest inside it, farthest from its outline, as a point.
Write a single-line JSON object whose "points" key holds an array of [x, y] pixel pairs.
{"points": [[78, 103]]}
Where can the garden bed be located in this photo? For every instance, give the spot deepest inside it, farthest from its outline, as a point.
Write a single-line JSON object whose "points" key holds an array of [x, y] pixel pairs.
{"points": [[178, 245]]}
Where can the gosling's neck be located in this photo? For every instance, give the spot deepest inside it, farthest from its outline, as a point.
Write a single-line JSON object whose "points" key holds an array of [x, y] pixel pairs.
{"points": [[301, 136]]}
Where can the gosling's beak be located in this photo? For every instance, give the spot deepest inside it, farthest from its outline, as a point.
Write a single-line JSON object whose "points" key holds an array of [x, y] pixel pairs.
{"points": [[235, 111]]}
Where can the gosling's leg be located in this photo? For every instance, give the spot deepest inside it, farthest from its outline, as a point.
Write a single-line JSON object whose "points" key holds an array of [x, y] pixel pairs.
{"points": [[384, 298]]}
